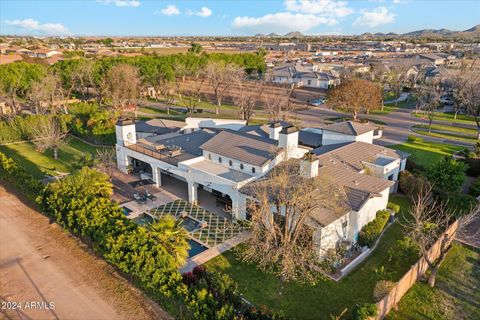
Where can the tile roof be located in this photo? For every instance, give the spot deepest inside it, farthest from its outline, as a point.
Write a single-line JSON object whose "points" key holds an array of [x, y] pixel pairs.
{"points": [[243, 147], [350, 128], [309, 138], [354, 154]]}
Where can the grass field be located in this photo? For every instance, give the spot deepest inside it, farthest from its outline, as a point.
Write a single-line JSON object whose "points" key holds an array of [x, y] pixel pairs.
{"points": [[304, 301], [448, 116], [447, 132], [70, 157], [425, 153], [456, 294]]}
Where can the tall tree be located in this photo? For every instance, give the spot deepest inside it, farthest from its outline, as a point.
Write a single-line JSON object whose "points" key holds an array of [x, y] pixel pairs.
{"points": [[428, 97], [222, 76], [49, 133], [285, 235], [356, 96], [173, 236], [47, 94], [471, 97], [429, 221], [248, 99], [121, 85]]}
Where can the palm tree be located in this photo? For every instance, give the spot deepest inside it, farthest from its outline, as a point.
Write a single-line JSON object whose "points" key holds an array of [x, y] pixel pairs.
{"points": [[173, 236]]}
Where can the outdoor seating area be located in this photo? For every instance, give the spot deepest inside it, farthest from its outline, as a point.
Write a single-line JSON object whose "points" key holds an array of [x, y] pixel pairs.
{"points": [[202, 225]]}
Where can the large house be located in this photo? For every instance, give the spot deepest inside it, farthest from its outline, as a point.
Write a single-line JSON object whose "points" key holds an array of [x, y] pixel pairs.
{"points": [[226, 157], [303, 76]]}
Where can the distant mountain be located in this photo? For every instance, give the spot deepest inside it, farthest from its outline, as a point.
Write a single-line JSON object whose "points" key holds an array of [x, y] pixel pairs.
{"points": [[469, 33], [474, 29], [272, 34], [294, 34]]}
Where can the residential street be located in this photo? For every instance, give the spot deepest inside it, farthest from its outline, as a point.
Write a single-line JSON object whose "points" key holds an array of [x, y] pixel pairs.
{"points": [[45, 274]]}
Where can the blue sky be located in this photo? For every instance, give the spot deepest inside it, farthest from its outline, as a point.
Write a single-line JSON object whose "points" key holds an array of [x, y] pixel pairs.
{"points": [[233, 17]]}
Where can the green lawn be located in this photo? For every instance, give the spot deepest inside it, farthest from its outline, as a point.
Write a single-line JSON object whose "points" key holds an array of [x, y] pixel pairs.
{"points": [[456, 294], [448, 116], [386, 110], [36, 163], [303, 301], [425, 153], [447, 132]]}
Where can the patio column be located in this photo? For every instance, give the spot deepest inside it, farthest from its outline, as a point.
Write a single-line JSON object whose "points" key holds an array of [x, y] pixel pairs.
{"points": [[192, 192], [157, 176], [239, 206]]}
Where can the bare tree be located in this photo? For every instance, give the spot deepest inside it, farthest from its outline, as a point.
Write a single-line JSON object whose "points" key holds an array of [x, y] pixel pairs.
{"points": [[282, 228], [275, 102], [121, 85], [49, 133], [179, 73], [471, 97], [107, 160], [222, 76], [428, 98], [430, 219], [248, 99], [356, 96]]}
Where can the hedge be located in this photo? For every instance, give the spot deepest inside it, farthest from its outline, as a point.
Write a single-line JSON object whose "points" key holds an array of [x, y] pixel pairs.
{"points": [[371, 231], [10, 171], [394, 207]]}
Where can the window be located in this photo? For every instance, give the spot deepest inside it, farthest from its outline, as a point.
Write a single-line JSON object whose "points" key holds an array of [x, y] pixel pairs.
{"points": [[253, 169], [390, 177], [309, 82], [209, 156], [241, 166], [219, 159], [344, 224], [230, 163]]}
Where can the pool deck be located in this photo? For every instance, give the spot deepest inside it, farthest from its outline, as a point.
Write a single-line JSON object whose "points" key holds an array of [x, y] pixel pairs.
{"points": [[162, 197], [211, 253]]}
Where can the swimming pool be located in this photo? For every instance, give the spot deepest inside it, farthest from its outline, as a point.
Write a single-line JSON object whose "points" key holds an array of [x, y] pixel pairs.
{"points": [[195, 248], [126, 211], [190, 224]]}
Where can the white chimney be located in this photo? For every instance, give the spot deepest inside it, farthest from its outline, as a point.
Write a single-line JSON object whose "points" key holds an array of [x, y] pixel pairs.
{"points": [[288, 140], [274, 130], [309, 166], [125, 132]]}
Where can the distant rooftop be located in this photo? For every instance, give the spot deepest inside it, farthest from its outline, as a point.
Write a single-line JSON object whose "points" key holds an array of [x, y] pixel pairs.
{"points": [[350, 128]]}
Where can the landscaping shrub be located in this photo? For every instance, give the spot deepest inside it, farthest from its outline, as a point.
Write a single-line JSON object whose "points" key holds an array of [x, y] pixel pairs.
{"points": [[447, 175], [473, 169], [382, 288], [409, 184], [371, 231], [364, 311], [405, 252], [414, 139], [459, 203], [394, 207], [474, 189], [412, 166], [13, 173]]}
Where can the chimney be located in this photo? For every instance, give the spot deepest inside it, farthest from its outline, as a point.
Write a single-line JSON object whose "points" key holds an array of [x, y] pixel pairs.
{"points": [[288, 140], [125, 132], [274, 130], [309, 166]]}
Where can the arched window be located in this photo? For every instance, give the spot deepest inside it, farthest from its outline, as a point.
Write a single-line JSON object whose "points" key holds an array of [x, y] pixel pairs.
{"points": [[230, 163], [241, 166], [219, 159], [253, 169]]}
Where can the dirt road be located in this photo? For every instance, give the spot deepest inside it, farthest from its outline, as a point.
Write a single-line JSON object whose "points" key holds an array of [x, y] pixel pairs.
{"points": [[46, 274]]}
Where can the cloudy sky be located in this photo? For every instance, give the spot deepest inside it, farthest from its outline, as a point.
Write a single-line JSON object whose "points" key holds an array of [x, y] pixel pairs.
{"points": [[232, 17]]}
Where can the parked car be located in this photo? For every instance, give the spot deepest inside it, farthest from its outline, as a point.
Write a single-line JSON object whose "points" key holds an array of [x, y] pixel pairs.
{"points": [[317, 102]]}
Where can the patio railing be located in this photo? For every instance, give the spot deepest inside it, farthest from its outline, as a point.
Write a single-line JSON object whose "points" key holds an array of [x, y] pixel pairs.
{"points": [[154, 154]]}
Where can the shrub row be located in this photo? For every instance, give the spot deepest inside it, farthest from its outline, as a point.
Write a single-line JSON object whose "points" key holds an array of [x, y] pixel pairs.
{"points": [[394, 207], [371, 231], [81, 203]]}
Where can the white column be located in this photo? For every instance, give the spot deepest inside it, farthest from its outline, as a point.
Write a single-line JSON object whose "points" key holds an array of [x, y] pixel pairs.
{"points": [[192, 192], [122, 159], [157, 176], [239, 205]]}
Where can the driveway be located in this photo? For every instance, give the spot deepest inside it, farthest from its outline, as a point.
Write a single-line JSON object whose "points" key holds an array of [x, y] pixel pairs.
{"points": [[41, 263]]}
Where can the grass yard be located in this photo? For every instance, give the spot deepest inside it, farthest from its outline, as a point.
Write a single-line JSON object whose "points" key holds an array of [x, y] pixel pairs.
{"points": [[447, 132], [36, 163], [388, 108], [456, 295], [448, 116], [304, 301], [425, 153]]}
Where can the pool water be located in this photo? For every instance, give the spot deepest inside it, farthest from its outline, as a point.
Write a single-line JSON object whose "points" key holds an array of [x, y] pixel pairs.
{"points": [[143, 219], [190, 224], [195, 248], [126, 211]]}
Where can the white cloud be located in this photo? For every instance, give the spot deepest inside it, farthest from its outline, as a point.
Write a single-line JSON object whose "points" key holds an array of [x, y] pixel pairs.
{"points": [[121, 3], [170, 10], [374, 17], [204, 12], [281, 22], [31, 25], [330, 8]]}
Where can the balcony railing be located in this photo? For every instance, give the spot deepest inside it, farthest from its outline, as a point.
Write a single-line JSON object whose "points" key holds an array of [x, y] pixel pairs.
{"points": [[154, 154]]}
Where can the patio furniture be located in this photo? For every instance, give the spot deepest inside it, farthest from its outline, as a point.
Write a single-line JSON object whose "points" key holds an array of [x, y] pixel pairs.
{"points": [[139, 198], [150, 196]]}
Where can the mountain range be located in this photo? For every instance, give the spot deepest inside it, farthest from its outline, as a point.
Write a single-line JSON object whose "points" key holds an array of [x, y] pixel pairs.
{"points": [[473, 32]]}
